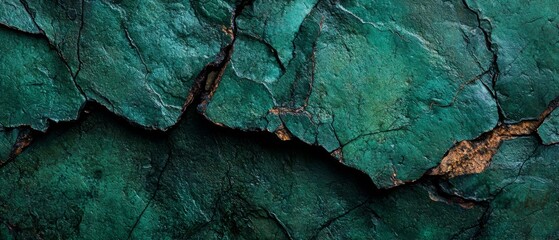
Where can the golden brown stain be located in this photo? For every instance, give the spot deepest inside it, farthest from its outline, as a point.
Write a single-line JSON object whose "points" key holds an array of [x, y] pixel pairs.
{"points": [[23, 141], [474, 156], [453, 200], [283, 134], [228, 31]]}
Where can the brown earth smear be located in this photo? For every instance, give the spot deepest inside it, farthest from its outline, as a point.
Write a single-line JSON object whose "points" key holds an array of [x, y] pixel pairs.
{"points": [[474, 156]]}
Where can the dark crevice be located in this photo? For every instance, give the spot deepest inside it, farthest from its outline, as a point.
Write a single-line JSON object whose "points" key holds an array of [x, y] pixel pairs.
{"points": [[157, 187], [334, 219], [266, 139], [78, 50], [482, 223], [494, 68], [293, 53]]}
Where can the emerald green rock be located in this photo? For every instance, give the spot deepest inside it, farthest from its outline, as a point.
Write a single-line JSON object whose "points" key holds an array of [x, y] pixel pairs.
{"points": [[14, 15], [36, 85], [137, 58], [373, 94], [406, 213], [88, 179], [549, 130], [98, 179], [521, 186], [7, 139], [391, 91], [523, 35]]}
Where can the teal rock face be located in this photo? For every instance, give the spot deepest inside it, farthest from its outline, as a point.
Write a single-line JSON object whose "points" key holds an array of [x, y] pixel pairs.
{"points": [[525, 44], [390, 93], [36, 85], [263, 119], [549, 130], [521, 187], [102, 180], [139, 59], [7, 139], [14, 15]]}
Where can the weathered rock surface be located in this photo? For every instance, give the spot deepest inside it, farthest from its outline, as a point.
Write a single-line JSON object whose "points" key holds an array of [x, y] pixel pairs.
{"points": [[101, 180], [521, 187], [427, 120], [388, 93], [36, 85], [549, 130], [137, 58]]}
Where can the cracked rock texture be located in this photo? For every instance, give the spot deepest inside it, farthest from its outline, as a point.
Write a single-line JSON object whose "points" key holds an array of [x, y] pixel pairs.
{"points": [[521, 189], [389, 93], [102, 180], [549, 130], [155, 119]]}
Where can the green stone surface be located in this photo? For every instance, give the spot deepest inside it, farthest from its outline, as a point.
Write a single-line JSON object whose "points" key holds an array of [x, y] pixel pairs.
{"points": [[7, 139], [549, 130], [14, 15], [137, 58], [97, 139], [36, 85], [522, 187], [524, 37], [393, 91], [102, 180]]}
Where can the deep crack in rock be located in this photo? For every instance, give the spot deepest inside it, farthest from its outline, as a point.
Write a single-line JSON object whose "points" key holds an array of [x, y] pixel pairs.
{"points": [[474, 156]]}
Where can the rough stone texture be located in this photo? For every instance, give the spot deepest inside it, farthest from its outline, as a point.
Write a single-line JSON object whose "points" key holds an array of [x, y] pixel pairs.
{"points": [[13, 15], [102, 180], [521, 187], [137, 58], [36, 85], [549, 130], [390, 92], [97, 140], [524, 35], [7, 139]]}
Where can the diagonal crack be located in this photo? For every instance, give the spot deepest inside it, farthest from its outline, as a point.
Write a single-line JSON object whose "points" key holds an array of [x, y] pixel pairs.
{"points": [[157, 187], [474, 156], [24, 139]]}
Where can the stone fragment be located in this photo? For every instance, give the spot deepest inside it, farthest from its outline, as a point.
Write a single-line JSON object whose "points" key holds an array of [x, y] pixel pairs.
{"points": [[523, 36], [14, 15], [549, 130], [139, 59], [37, 86]]}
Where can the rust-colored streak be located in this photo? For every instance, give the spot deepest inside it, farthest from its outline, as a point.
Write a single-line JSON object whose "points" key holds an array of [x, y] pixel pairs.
{"points": [[23, 141], [474, 156], [283, 134]]}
